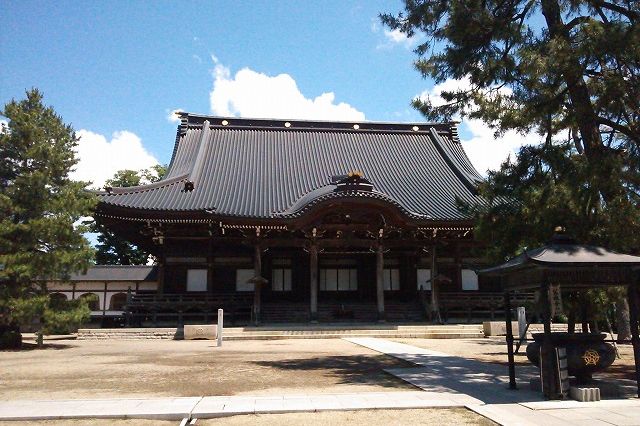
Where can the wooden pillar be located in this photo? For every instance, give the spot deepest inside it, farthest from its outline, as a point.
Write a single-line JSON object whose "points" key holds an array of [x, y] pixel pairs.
{"points": [[210, 261], [127, 313], [257, 286], [632, 293], [458, 262], [508, 321], [547, 355], [380, 281], [161, 266], [313, 282], [104, 300], [435, 302]]}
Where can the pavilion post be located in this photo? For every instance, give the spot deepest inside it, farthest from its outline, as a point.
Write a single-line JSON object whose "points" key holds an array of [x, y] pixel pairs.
{"points": [[547, 356], [632, 293], [508, 321], [313, 282], [257, 286]]}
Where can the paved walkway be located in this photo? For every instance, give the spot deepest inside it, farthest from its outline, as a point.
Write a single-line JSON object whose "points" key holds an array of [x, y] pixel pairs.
{"points": [[216, 406], [484, 386], [445, 380]]}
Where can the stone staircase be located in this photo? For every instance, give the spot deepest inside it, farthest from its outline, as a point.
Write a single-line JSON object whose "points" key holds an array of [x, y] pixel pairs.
{"points": [[280, 312], [296, 312], [301, 331], [130, 333]]}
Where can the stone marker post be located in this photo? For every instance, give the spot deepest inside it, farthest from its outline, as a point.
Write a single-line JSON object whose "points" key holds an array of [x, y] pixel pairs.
{"points": [[522, 322], [220, 325]]}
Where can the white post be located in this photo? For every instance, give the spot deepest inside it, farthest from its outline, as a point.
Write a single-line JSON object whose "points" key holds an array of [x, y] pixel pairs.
{"points": [[219, 328], [522, 322]]}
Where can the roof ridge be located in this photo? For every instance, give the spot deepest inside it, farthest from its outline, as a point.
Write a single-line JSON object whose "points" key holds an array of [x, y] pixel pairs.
{"points": [[142, 188], [453, 163], [190, 119], [375, 194], [198, 161]]}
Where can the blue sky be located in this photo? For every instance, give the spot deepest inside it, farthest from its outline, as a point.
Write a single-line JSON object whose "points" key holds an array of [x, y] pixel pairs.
{"points": [[116, 69]]}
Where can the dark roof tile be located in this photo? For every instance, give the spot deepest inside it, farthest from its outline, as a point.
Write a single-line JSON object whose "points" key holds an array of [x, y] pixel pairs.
{"points": [[262, 169]]}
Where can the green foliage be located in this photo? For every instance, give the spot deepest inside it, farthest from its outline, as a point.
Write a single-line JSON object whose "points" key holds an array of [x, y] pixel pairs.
{"points": [[566, 69], [39, 206], [64, 317], [55, 316], [112, 249]]}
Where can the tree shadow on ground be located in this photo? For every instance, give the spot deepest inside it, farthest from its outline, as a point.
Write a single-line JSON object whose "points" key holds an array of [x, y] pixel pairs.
{"points": [[28, 346], [348, 369]]}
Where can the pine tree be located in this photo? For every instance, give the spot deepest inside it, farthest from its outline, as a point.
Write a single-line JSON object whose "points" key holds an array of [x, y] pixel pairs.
{"points": [[566, 69], [39, 208], [112, 249]]}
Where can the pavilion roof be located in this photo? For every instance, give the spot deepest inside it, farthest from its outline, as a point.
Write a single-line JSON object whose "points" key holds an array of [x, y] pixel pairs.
{"points": [[574, 264], [232, 167]]}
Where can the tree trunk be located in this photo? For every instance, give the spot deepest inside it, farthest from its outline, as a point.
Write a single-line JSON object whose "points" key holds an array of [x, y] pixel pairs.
{"points": [[578, 91], [623, 323]]}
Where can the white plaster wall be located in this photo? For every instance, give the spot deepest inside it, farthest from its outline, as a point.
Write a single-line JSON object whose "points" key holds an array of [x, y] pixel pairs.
{"points": [[97, 288]]}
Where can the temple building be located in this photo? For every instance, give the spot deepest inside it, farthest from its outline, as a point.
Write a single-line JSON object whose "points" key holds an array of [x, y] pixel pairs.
{"points": [[285, 220]]}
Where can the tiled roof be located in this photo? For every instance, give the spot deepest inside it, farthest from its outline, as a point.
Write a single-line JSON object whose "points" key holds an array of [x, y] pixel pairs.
{"points": [[277, 168], [117, 273]]}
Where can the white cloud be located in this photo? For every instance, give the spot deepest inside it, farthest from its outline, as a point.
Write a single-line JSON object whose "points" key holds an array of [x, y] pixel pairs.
{"points": [[172, 117], [253, 94], [393, 38], [397, 36], [99, 158], [485, 151]]}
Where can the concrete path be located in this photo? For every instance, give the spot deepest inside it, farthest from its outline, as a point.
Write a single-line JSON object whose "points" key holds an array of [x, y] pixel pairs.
{"points": [[484, 387], [217, 406]]}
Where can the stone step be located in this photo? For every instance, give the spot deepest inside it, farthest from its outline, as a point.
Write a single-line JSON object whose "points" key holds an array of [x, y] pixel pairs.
{"points": [[299, 332], [338, 336]]}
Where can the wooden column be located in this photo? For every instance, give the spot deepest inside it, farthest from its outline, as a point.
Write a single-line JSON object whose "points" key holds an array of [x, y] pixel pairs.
{"points": [[435, 302], [104, 300], [313, 282], [257, 285], [634, 305], [547, 355], [458, 262], [380, 281], [161, 267], [210, 274]]}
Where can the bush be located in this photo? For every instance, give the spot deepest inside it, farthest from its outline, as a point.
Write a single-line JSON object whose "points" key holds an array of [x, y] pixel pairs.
{"points": [[64, 317], [10, 337]]}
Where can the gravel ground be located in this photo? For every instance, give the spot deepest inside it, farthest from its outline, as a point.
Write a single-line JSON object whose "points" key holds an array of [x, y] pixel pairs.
{"points": [[74, 369], [439, 416]]}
